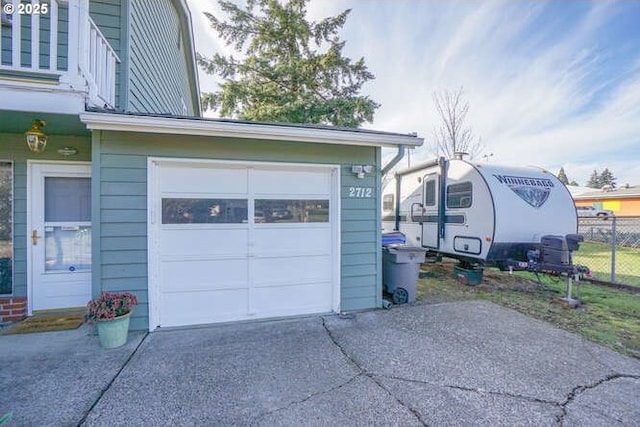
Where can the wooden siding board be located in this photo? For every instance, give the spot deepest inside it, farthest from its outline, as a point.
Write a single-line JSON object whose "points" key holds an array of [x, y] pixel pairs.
{"points": [[352, 304], [134, 284], [124, 175], [122, 243], [357, 281], [119, 161], [358, 225], [367, 259], [359, 237], [123, 229], [359, 292], [123, 188], [158, 72], [123, 215], [124, 257], [358, 270], [354, 248], [124, 202], [118, 271], [358, 215]]}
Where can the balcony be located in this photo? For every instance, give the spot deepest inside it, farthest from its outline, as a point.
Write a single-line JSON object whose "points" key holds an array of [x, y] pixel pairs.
{"points": [[54, 58]]}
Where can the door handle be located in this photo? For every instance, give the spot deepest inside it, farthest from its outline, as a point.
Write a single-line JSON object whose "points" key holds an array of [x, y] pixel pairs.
{"points": [[34, 237]]}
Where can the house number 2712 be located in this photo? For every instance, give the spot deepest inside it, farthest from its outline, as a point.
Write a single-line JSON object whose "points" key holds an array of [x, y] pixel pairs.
{"points": [[360, 192]]}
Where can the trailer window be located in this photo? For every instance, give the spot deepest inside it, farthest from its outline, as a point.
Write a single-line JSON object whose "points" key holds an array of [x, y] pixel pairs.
{"points": [[459, 195], [387, 202], [430, 193]]}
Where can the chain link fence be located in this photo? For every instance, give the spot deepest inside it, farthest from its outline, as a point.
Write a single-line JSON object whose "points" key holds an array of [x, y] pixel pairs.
{"points": [[611, 249]]}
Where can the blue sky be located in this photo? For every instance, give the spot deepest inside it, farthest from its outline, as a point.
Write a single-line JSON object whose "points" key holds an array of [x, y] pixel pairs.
{"points": [[549, 83]]}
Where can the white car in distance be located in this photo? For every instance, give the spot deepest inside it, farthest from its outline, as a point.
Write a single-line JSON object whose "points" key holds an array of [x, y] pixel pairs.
{"points": [[591, 212]]}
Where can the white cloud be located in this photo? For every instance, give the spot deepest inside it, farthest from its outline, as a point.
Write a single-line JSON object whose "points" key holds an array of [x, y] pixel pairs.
{"points": [[544, 84]]}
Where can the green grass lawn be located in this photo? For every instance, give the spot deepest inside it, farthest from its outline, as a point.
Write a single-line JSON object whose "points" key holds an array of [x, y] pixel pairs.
{"points": [[597, 256], [609, 317]]}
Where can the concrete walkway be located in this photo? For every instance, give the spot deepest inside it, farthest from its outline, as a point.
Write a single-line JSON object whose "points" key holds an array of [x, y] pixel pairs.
{"points": [[467, 363]]}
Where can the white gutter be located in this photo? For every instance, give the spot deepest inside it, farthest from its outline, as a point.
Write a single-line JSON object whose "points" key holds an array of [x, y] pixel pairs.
{"points": [[229, 129]]}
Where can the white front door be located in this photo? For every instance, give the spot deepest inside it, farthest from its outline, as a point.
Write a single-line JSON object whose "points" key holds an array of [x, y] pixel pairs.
{"points": [[59, 235]]}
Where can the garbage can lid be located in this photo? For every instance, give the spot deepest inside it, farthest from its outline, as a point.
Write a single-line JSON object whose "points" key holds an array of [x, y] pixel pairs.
{"points": [[407, 248]]}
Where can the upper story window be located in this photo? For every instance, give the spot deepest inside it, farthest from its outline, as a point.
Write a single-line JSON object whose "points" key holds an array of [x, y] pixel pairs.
{"points": [[459, 195]]}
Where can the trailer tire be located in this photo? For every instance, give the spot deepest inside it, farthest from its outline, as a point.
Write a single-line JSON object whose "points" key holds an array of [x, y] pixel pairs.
{"points": [[400, 296]]}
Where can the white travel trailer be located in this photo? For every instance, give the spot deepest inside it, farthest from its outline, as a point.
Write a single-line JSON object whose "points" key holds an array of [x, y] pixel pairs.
{"points": [[478, 213]]}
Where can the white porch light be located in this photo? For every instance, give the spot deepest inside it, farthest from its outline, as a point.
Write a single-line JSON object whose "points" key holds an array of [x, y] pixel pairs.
{"points": [[36, 139]]}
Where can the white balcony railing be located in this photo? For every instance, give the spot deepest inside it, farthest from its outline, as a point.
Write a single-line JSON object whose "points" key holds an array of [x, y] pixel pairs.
{"points": [[56, 39]]}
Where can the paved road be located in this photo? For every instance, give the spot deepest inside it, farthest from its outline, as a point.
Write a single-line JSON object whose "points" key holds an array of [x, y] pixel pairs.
{"points": [[466, 363]]}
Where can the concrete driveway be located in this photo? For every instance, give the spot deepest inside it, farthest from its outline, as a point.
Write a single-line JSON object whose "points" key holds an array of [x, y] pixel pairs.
{"points": [[446, 364]]}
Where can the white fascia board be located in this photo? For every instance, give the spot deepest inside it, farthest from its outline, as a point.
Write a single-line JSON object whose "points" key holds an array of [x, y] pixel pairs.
{"points": [[182, 126]]}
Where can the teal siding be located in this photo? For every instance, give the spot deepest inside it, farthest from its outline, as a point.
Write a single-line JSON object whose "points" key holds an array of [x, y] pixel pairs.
{"points": [[159, 74], [13, 148], [120, 162], [108, 17]]}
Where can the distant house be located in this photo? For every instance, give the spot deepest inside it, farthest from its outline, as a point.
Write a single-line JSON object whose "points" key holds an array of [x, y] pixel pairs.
{"points": [[205, 220], [623, 201]]}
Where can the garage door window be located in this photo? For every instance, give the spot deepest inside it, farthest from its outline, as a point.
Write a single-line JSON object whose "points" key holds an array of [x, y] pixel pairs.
{"points": [[291, 211], [204, 211]]}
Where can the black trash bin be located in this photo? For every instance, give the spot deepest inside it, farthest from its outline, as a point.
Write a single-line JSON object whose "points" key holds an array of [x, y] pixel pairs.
{"points": [[400, 270]]}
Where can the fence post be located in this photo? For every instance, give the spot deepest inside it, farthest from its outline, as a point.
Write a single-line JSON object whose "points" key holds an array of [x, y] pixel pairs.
{"points": [[613, 250]]}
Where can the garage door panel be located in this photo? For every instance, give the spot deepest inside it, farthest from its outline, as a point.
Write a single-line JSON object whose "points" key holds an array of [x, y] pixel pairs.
{"points": [[203, 307], [291, 270], [204, 180], [199, 275], [204, 242], [286, 241], [294, 182], [241, 241], [292, 300]]}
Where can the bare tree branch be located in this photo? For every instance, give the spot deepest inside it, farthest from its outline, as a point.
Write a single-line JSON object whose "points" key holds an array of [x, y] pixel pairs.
{"points": [[453, 135]]}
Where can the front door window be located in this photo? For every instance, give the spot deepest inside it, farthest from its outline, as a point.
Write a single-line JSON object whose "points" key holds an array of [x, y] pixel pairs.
{"points": [[67, 224]]}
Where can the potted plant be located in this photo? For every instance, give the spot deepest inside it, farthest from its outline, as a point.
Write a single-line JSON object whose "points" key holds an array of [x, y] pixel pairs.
{"points": [[111, 312]]}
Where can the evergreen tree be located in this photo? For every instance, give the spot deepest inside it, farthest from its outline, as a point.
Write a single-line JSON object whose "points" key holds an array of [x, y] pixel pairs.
{"points": [[607, 178], [292, 69], [594, 180], [562, 177], [573, 183]]}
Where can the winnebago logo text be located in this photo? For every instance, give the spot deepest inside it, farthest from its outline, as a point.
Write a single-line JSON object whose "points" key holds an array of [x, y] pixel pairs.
{"points": [[534, 191]]}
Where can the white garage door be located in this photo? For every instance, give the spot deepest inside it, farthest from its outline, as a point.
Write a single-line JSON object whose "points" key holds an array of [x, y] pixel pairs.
{"points": [[237, 241]]}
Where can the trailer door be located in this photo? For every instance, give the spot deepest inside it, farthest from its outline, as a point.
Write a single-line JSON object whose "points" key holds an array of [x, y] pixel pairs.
{"points": [[430, 217]]}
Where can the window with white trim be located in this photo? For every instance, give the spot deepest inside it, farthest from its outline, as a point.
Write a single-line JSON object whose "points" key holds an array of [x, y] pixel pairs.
{"points": [[6, 228]]}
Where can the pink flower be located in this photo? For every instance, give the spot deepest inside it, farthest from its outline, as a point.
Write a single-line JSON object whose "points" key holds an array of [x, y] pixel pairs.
{"points": [[110, 305]]}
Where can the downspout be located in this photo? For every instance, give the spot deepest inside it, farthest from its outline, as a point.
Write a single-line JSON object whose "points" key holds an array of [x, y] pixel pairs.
{"points": [[385, 170], [394, 161]]}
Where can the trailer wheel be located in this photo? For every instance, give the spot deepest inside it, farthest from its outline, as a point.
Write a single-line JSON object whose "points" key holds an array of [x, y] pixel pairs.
{"points": [[400, 296]]}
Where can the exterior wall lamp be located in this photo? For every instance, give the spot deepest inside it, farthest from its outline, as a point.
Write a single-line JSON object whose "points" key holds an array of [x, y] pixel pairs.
{"points": [[36, 139], [361, 170]]}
